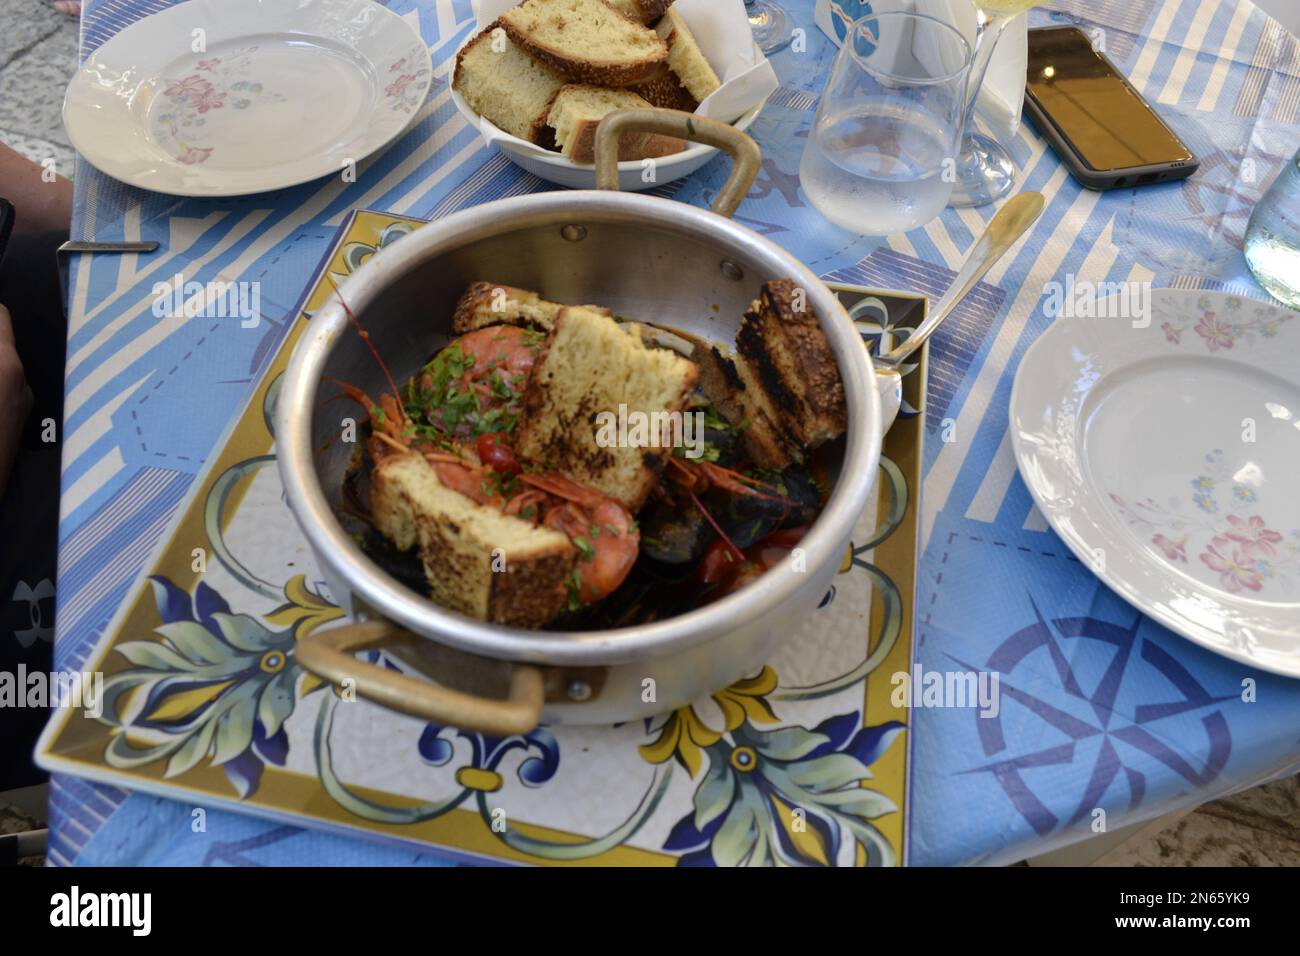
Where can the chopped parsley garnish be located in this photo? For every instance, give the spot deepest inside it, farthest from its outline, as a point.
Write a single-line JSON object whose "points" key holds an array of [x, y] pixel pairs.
{"points": [[574, 585], [439, 398]]}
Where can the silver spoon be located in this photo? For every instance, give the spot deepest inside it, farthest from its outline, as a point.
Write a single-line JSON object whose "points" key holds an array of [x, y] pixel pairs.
{"points": [[1016, 215]]}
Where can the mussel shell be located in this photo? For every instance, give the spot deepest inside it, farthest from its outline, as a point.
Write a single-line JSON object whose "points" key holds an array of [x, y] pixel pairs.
{"points": [[747, 519], [674, 534]]}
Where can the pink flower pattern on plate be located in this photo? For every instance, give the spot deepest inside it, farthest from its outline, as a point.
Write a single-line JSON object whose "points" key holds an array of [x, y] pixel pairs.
{"points": [[1216, 332], [1223, 523], [209, 99], [1175, 549], [1237, 322], [193, 85], [1252, 535], [1235, 565], [193, 155], [398, 85]]}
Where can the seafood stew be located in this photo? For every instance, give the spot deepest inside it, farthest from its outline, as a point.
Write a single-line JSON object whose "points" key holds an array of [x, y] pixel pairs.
{"points": [[559, 467]]}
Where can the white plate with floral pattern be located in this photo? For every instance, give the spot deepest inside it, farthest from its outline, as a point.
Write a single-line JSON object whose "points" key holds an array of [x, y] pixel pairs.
{"points": [[1166, 453], [231, 97]]}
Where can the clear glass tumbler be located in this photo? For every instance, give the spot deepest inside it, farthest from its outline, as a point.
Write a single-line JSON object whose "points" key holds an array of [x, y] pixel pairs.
{"points": [[1273, 237], [881, 157]]}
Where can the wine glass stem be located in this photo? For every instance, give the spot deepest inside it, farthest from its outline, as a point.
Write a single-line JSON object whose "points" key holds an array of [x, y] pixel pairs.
{"points": [[987, 33]]}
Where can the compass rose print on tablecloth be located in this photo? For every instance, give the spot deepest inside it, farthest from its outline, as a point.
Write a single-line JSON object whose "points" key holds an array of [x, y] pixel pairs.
{"points": [[1121, 746]]}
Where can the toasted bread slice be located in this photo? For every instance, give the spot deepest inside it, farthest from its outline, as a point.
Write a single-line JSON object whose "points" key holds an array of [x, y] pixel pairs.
{"points": [[665, 90], [504, 84], [722, 384], [642, 11], [588, 40], [685, 58], [785, 353], [592, 365], [576, 113], [478, 561], [485, 303]]}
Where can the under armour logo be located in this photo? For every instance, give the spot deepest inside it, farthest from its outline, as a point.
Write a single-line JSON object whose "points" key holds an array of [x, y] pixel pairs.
{"points": [[43, 592]]}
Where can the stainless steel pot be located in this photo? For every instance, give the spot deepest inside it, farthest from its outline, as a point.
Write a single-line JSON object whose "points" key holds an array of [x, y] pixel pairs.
{"points": [[646, 258]]}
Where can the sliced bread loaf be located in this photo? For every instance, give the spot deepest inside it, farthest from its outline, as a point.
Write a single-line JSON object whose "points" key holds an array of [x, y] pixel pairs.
{"points": [[504, 84], [576, 113], [478, 561], [587, 40], [785, 350], [589, 366], [782, 387], [486, 303], [685, 58]]}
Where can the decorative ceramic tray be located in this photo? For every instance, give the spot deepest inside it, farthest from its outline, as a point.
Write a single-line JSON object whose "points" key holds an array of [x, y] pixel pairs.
{"points": [[803, 763]]}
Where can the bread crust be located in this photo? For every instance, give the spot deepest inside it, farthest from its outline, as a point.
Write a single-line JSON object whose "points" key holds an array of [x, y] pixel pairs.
{"points": [[666, 91], [647, 11], [631, 146], [484, 304], [787, 348], [595, 72]]}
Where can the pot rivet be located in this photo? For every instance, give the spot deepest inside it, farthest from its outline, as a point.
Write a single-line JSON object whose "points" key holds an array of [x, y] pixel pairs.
{"points": [[579, 690], [574, 233], [731, 270]]}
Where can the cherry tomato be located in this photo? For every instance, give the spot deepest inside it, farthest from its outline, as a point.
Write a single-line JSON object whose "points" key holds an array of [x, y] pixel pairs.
{"points": [[495, 454], [718, 562]]}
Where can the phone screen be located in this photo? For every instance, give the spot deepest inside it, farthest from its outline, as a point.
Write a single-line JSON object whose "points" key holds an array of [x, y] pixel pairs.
{"points": [[1104, 119]]}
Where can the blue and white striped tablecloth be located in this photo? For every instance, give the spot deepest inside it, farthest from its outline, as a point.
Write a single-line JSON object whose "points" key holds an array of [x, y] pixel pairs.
{"points": [[1126, 716]]}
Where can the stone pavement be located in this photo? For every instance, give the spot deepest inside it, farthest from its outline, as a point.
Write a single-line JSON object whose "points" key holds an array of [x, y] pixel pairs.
{"points": [[38, 54]]}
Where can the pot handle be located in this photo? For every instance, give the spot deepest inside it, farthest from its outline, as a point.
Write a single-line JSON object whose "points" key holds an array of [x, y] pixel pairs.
{"points": [[746, 159], [328, 654]]}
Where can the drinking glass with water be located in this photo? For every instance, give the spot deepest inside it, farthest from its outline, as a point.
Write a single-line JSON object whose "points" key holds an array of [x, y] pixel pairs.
{"points": [[881, 157], [1273, 237]]}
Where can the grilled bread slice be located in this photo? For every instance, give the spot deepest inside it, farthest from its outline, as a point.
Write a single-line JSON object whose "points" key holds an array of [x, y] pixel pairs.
{"points": [[587, 40], [478, 561], [503, 83], [591, 365], [642, 11], [722, 384], [782, 388], [577, 111], [685, 58], [784, 351], [486, 303], [666, 91]]}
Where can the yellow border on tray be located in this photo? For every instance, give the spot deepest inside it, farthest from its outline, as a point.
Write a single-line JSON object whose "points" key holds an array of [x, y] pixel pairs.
{"points": [[76, 746]]}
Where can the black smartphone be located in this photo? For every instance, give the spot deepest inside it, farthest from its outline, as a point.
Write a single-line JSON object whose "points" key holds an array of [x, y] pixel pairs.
{"points": [[1101, 127], [6, 225]]}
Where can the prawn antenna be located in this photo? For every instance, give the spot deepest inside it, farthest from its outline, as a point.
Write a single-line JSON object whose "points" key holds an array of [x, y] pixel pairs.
{"points": [[365, 337]]}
